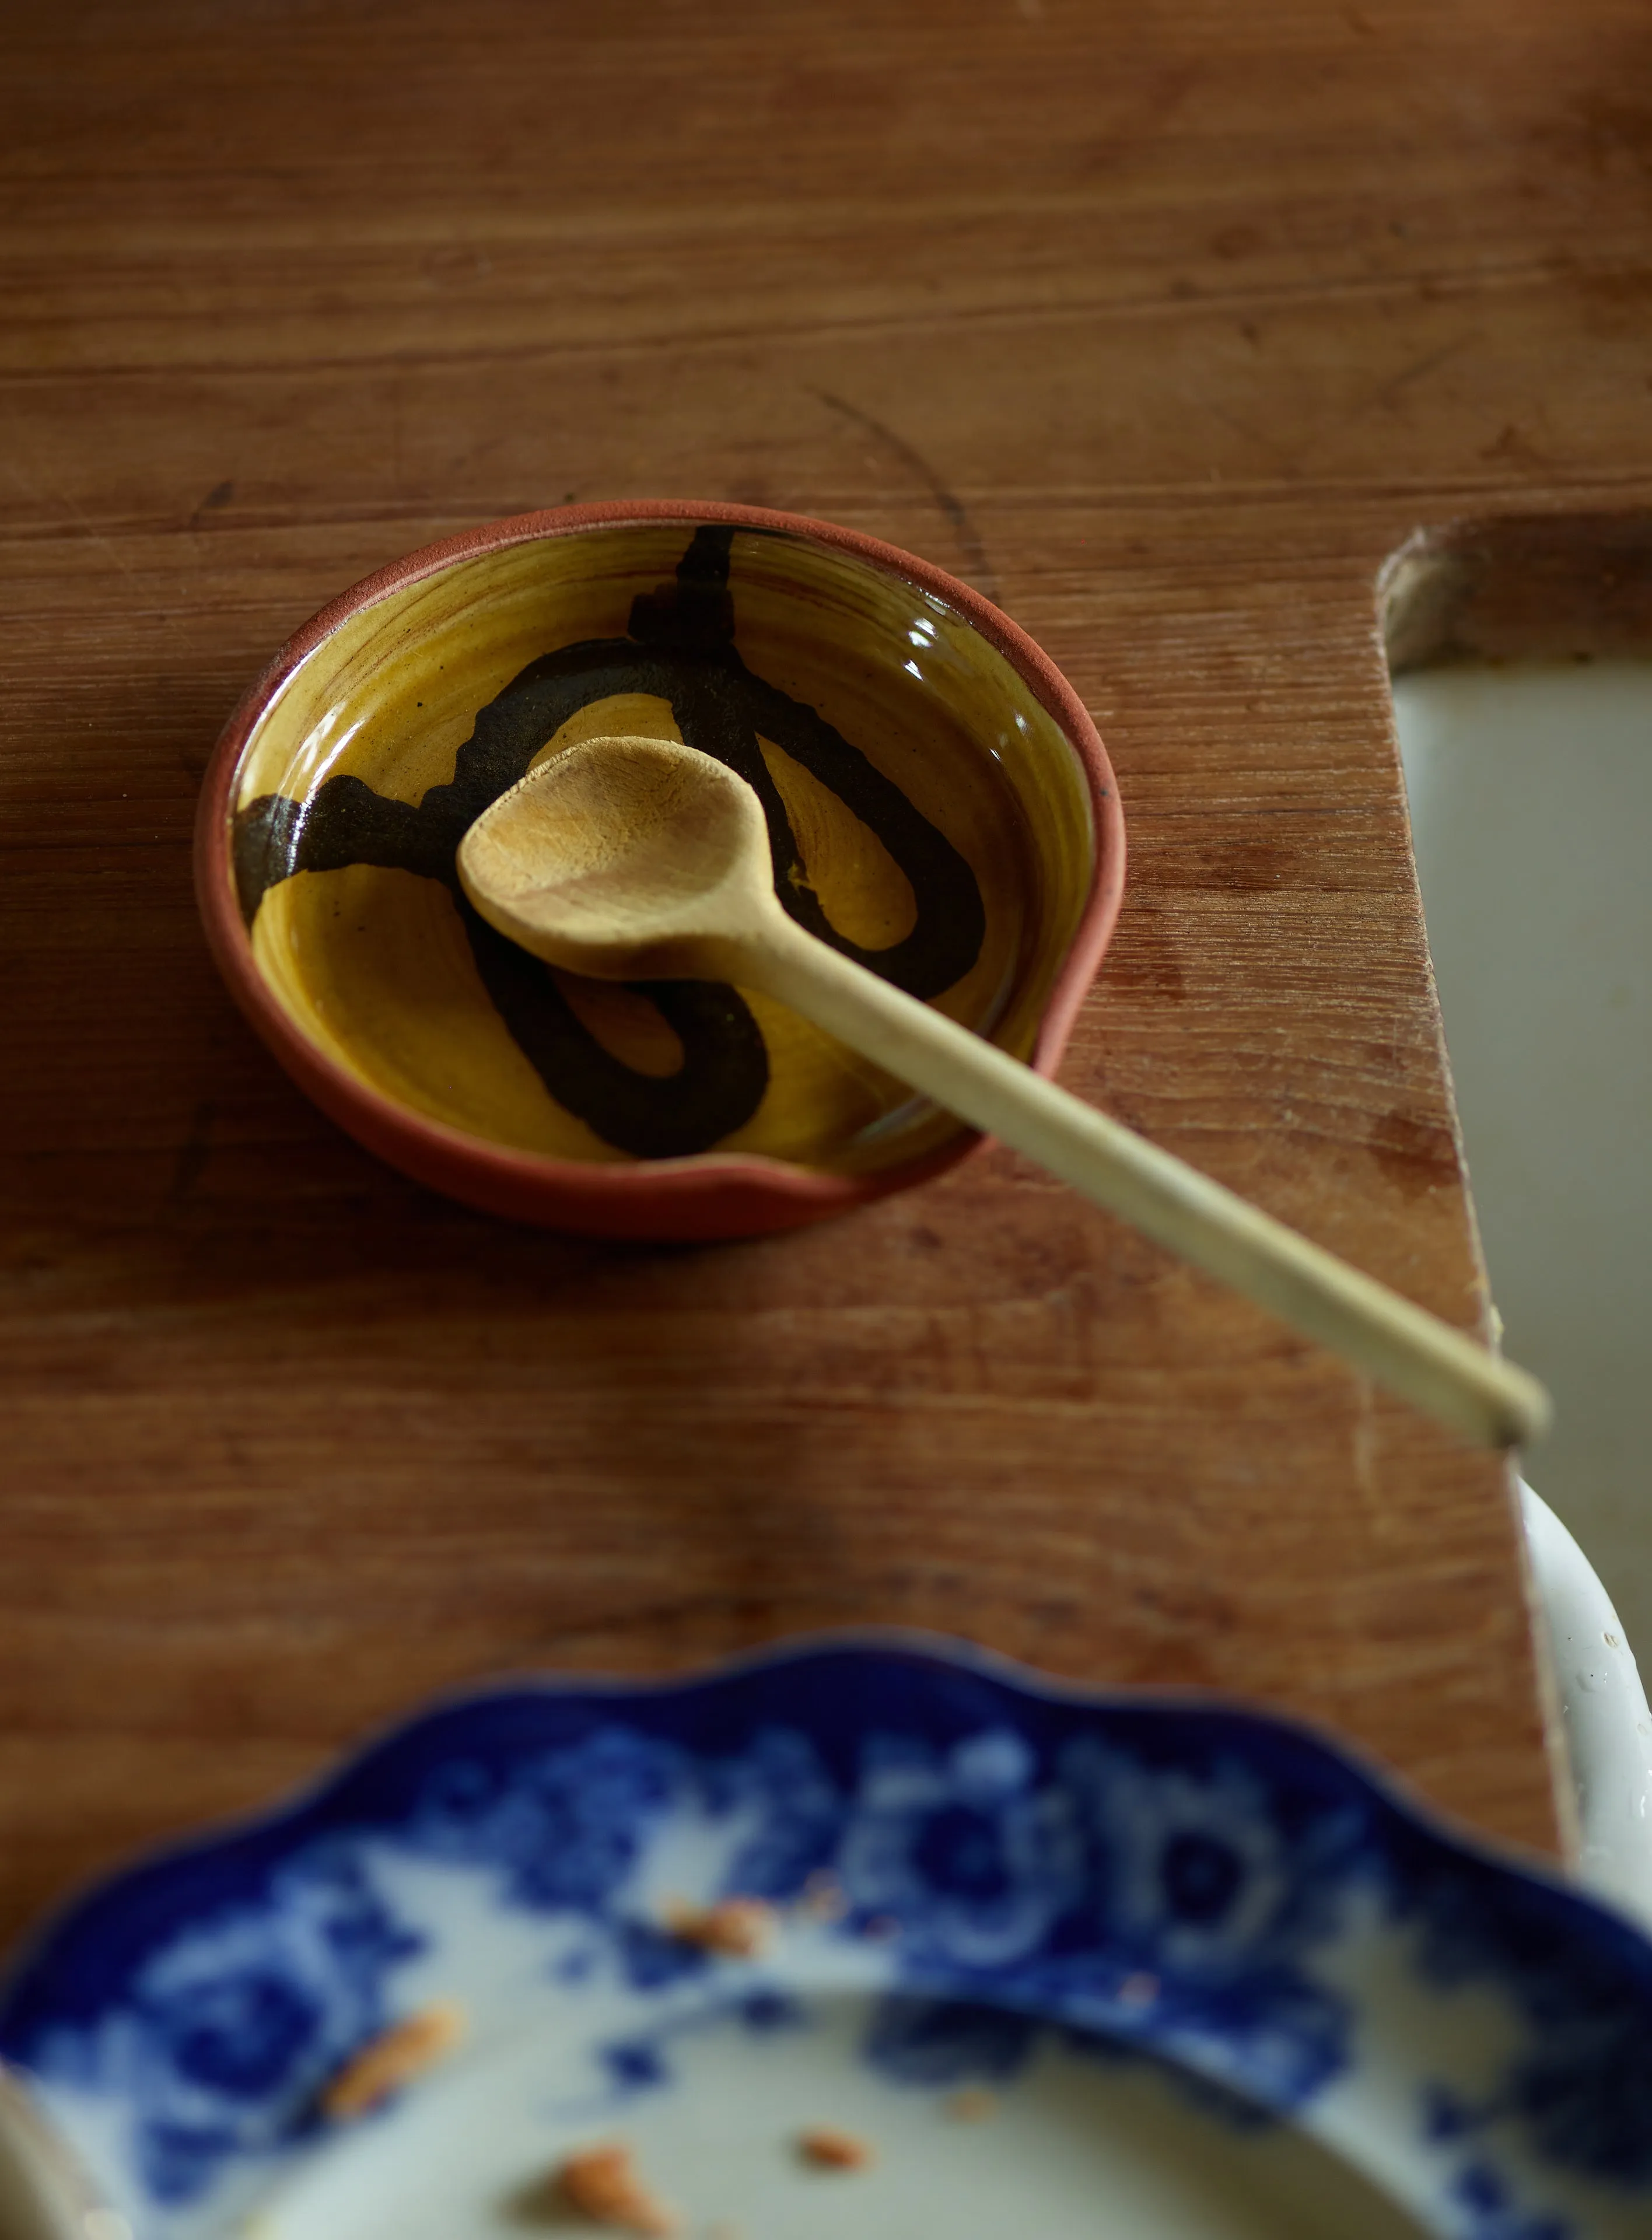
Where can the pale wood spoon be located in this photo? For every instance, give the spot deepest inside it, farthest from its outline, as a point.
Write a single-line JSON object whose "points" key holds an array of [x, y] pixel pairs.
{"points": [[639, 859]]}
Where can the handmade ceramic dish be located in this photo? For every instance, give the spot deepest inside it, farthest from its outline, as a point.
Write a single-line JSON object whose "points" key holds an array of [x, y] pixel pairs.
{"points": [[939, 803], [1055, 1963]]}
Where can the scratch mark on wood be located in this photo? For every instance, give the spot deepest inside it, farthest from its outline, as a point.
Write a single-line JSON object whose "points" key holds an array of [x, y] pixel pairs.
{"points": [[1390, 388], [980, 568]]}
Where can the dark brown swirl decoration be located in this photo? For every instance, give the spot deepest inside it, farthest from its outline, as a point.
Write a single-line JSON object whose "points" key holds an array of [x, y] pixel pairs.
{"points": [[680, 648]]}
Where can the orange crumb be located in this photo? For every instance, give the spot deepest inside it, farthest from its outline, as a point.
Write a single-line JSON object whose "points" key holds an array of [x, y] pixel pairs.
{"points": [[738, 1928], [822, 1897], [974, 2105], [829, 2149], [604, 2183], [391, 2060]]}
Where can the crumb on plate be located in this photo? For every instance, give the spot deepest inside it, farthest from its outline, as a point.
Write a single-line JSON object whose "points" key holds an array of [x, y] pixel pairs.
{"points": [[738, 1928], [394, 2059], [829, 2149], [604, 2183], [823, 1897], [974, 2104]]}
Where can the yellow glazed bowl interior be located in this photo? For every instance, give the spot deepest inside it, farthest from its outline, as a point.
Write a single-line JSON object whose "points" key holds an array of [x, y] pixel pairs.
{"points": [[929, 816]]}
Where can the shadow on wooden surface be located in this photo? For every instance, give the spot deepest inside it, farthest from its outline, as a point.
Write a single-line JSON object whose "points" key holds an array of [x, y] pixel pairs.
{"points": [[1548, 587]]}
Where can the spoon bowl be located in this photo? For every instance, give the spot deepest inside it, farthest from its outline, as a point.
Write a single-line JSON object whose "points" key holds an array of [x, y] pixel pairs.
{"points": [[625, 858]]}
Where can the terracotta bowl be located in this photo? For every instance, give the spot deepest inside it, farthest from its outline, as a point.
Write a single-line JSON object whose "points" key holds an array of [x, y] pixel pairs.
{"points": [[940, 803]]}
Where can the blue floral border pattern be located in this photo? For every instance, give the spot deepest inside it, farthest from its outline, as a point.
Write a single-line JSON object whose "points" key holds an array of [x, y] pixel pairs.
{"points": [[1166, 1881]]}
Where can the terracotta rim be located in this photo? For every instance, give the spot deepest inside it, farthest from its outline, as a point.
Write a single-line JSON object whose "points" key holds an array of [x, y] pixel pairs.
{"points": [[710, 1193]]}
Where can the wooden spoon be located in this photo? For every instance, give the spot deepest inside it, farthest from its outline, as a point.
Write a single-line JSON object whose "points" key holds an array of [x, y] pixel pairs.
{"points": [[638, 859]]}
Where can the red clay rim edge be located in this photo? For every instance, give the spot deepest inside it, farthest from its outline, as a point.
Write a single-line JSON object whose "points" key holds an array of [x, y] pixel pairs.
{"points": [[710, 1195]]}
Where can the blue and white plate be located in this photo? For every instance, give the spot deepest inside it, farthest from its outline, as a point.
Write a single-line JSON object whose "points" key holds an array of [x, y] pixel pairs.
{"points": [[1071, 1965]]}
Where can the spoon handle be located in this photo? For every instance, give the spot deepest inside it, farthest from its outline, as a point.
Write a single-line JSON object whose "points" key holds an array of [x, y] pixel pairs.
{"points": [[1439, 1368]]}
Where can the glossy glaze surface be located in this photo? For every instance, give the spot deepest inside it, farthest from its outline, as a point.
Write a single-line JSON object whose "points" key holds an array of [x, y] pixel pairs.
{"points": [[928, 813]]}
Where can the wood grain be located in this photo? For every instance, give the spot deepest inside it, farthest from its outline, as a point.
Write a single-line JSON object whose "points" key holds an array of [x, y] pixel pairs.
{"points": [[1163, 325]]}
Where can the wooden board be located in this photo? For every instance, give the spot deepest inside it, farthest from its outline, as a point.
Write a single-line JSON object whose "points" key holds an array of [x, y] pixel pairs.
{"points": [[1162, 324]]}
